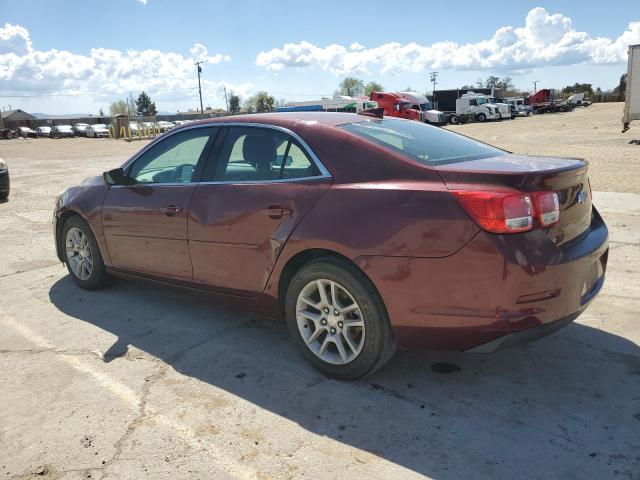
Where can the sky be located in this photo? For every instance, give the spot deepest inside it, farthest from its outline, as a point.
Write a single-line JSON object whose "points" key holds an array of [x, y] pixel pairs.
{"points": [[80, 56]]}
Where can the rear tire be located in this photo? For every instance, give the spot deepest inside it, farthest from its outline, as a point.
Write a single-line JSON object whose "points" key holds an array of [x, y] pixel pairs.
{"points": [[82, 255], [347, 335], [455, 120], [4, 196]]}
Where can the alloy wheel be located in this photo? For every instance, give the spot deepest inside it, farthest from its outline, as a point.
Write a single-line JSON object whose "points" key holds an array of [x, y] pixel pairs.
{"points": [[79, 253], [330, 321]]}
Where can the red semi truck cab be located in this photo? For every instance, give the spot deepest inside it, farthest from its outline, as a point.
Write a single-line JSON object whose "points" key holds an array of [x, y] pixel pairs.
{"points": [[395, 106]]}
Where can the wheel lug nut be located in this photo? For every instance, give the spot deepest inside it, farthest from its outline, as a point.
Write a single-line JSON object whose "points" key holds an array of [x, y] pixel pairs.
{"points": [[323, 321], [340, 324], [335, 312], [326, 310], [333, 330]]}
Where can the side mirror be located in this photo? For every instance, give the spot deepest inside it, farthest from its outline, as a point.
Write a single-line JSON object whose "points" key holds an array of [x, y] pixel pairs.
{"points": [[115, 177]]}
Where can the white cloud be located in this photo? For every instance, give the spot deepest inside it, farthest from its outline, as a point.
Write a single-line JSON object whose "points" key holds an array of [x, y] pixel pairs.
{"points": [[544, 39], [144, 2], [25, 70]]}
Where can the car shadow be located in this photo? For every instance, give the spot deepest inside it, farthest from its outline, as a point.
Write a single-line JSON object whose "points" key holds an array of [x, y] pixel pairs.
{"points": [[567, 405]]}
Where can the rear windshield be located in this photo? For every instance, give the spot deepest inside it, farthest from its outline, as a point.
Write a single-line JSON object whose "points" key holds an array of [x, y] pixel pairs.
{"points": [[424, 143]]}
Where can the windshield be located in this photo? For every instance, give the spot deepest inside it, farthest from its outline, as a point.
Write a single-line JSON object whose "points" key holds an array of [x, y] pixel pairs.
{"points": [[425, 106], [481, 100], [421, 142]]}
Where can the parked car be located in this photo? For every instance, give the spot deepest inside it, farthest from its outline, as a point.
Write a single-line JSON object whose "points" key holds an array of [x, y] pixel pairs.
{"points": [[6, 133], [79, 129], [134, 127], [165, 126], [368, 233], [43, 131], [25, 132], [97, 130], [4, 180], [148, 125], [62, 131]]}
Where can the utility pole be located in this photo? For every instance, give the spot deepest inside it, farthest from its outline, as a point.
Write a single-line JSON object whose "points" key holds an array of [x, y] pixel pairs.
{"points": [[535, 84], [197, 64], [434, 77], [225, 98]]}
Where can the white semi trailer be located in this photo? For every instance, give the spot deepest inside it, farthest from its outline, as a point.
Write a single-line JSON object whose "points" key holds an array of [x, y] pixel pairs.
{"points": [[632, 97]]}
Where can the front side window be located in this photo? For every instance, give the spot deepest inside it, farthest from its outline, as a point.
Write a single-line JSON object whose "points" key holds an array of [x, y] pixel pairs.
{"points": [[424, 143], [172, 160], [254, 154]]}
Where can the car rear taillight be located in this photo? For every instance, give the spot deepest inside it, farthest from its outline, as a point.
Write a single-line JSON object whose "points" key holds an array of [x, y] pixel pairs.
{"points": [[547, 207], [498, 212]]}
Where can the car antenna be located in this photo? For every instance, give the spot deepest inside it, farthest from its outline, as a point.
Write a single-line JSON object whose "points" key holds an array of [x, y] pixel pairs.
{"points": [[372, 112]]}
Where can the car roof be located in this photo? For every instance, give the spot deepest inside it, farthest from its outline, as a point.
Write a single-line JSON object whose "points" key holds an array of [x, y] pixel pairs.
{"points": [[291, 119]]}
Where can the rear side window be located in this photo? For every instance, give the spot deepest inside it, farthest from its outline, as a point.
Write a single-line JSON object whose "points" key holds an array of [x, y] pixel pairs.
{"points": [[254, 154], [424, 143]]}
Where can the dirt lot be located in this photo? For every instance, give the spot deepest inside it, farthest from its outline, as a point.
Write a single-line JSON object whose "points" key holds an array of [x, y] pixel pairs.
{"points": [[140, 381]]}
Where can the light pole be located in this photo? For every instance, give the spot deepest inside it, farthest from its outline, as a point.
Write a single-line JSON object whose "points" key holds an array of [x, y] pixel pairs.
{"points": [[225, 98], [434, 77], [535, 84], [197, 64]]}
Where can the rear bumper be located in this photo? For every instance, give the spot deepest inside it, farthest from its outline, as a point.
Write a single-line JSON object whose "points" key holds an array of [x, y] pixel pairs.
{"points": [[496, 291], [524, 336]]}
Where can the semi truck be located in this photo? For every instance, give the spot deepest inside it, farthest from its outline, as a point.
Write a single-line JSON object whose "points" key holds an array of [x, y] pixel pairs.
{"points": [[445, 101], [520, 106], [545, 101], [578, 99], [420, 102], [632, 94], [475, 106], [409, 105], [338, 103]]}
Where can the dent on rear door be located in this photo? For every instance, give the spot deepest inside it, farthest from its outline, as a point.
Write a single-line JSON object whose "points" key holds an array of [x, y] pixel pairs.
{"points": [[234, 242]]}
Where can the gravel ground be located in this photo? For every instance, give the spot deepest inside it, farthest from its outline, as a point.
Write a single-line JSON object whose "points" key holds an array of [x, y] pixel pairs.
{"points": [[141, 381]]}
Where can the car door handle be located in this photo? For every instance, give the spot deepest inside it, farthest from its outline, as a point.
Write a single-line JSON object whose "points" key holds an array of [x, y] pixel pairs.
{"points": [[276, 212], [171, 210]]}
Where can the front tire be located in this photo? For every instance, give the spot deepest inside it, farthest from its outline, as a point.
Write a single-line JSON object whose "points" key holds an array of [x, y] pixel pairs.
{"points": [[82, 255], [337, 319], [481, 117]]}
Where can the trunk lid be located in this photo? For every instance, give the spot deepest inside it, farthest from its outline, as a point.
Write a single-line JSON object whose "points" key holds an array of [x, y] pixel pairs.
{"points": [[566, 176]]}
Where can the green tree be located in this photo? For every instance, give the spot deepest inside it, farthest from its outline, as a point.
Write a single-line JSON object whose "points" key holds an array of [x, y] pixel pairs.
{"points": [[621, 89], [260, 102], [491, 81], [372, 87], [144, 105], [351, 87], [264, 102], [118, 107], [578, 88], [101, 112], [234, 103]]}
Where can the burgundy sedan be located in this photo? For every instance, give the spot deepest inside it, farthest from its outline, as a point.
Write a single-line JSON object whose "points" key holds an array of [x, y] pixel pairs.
{"points": [[367, 233]]}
